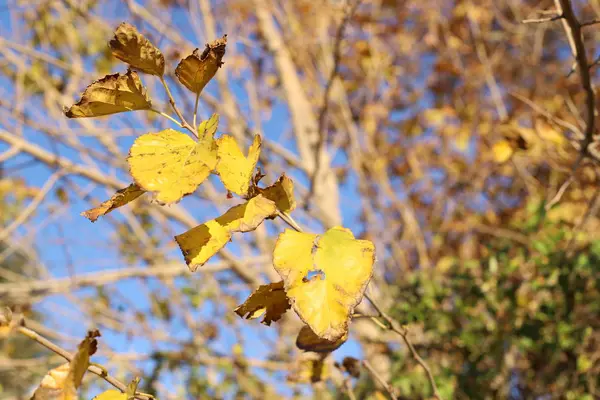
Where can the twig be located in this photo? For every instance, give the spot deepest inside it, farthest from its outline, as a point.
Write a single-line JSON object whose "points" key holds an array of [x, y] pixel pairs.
{"points": [[322, 135], [382, 381], [403, 332], [93, 368], [184, 123], [572, 29], [593, 207], [563, 188], [588, 23], [540, 20]]}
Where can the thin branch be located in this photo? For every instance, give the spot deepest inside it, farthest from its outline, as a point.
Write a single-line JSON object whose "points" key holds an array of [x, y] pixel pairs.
{"points": [[93, 368], [394, 326], [378, 377], [592, 22], [572, 29], [184, 123], [541, 20], [322, 134], [563, 188]]}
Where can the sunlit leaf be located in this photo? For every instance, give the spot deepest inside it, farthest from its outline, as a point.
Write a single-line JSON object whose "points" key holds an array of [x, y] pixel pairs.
{"points": [[269, 301], [199, 244], [234, 168], [61, 383], [307, 340], [117, 200], [169, 163], [325, 276], [197, 69], [206, 133], [282, 193], [502, 151], [112, 395], [110, 95], [131, 47]]}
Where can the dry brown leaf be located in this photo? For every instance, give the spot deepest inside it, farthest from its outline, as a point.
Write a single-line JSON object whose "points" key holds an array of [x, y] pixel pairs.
{"points": [[268, 300], [197, 69], [131, 47], [119, 199], [110, 95]]}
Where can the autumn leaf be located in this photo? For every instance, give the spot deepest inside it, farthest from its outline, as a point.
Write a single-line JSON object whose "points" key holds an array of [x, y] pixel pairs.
{"points": [[170, 163], [502, 151], [112, 395], [61, 383], [234, 168], [117, 200], [309, 370], [131, 47], [110, 95], [282, 193], [199, 244], [307, 340], [206, 133], [269, 301], [196, 70], [325, 276]]}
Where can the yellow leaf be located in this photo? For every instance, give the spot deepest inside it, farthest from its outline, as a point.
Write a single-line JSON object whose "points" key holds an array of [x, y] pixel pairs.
{"points": [[196, 70], [110, 95], [309, 370], [206, 133], [268, 300], [341, 268], [111, 395], [117, 200], [234, 168], [199, 244], [209, 127], [502, 151], [169, 163], [61, 383], [282, 193], [131, 47], [307, 340]]}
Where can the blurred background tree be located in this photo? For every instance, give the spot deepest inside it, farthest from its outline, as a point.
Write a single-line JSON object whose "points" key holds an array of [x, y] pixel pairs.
{"points": [[458, 138]]}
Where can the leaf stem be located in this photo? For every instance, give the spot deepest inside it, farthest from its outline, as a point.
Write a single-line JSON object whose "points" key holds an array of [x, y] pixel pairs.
{"points": [[168, 117], [287, 218], [196, 110], [184, 123], [394, 326]]}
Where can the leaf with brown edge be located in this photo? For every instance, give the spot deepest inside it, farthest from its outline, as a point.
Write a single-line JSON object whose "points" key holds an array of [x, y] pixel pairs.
{"points": [[197, 69], [282, 193], [111, 95], [199, 244], [131, 47], [269, 301], [119, 199], [61, 383], [307, 340]]}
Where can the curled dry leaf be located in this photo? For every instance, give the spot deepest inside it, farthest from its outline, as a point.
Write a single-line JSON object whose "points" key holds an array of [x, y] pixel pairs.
{"points": [[282, 193], [307, 340], [197, 69], [233, 167], [171, 163], [269, 301], [131, 47], [110, 95], [199, 244], [325, 276], [61, 383], [119, 199]]}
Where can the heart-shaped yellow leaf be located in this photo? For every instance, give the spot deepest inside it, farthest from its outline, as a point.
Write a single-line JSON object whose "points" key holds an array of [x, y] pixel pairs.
{"points": [[197, 69], [170, 163], [110, 95], [199, 244], [269, 301], [325, 276], [131, 47], [234, 168], [117, 200], [307, 340]]}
